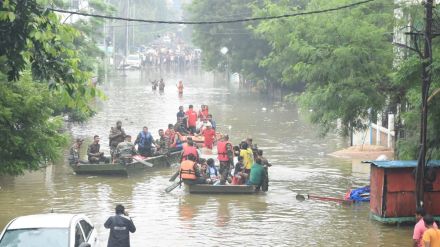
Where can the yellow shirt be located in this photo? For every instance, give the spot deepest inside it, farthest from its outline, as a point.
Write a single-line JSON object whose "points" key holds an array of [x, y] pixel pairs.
{"points": [[248, 158], [432, 236]]}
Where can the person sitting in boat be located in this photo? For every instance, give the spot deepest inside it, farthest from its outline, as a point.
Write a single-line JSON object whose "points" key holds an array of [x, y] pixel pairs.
{"points": [[239, 175], [116, 136], [212, 171], [189, 171], [74, 156], [162, 143], [212, 121], [203, 168], [125, 151], [209, 136], [93, 153], [144, 140], [175, 139], [189, 149], [257, 174]]}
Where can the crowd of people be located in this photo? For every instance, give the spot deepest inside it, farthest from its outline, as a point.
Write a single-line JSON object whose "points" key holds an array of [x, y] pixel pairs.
{"points": [[250, 166], [170, 140]]}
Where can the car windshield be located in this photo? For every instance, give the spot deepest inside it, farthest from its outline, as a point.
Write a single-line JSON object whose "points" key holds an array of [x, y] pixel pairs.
{"points": [[133, 57], [36, 237]]}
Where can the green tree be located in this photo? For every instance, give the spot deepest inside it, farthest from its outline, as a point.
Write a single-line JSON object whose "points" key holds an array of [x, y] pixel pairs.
{"points": [[30, 135], [343, 57], [245, 48], [40, 71]]}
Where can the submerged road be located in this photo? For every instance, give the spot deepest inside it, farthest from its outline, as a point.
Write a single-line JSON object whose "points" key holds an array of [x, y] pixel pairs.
{"points": [[298, 155]]}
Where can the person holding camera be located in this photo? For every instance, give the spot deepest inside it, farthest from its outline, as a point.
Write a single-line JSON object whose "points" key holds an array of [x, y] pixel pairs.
{"points": [[120, 226]]}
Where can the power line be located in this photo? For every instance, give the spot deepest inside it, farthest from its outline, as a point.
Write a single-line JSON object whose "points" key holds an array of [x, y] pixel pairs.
{"points": [[215, 22]]}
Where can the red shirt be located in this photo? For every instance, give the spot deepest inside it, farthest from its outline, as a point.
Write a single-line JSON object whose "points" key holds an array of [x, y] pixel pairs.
{"points": [[209, 135], [192, 118]]}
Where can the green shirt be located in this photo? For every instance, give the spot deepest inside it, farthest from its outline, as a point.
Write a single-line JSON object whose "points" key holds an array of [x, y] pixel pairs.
{"points": [[257, 174]]}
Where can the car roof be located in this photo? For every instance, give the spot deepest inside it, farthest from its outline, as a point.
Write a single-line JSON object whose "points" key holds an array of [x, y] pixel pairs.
{"points": [[51, 220]]}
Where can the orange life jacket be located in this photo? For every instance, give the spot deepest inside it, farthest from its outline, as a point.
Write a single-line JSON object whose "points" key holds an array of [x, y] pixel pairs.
{"points": [[222, 152], [187, 170], [187, 150]]}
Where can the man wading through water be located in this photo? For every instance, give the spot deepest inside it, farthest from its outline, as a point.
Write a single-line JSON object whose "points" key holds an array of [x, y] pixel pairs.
{"points": [[120, 226]]}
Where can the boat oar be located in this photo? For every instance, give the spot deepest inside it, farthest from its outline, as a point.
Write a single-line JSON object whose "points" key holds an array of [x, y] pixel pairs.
{"points": [[173, 186], [300, 197], [142, 161], [175, 175]]}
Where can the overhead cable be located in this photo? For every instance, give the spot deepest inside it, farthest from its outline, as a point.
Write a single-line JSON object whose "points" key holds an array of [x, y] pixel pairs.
{"points": [[214, 22]]}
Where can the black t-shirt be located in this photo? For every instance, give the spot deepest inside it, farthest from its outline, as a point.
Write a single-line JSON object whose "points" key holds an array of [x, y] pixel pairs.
{"points": [[120, 228], [238, 168]]}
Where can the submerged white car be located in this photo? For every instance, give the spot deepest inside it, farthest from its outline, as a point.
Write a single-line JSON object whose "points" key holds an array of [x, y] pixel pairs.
{"points": [[42, 230]]}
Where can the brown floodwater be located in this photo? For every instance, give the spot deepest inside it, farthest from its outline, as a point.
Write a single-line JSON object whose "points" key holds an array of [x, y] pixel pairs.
{"points": [[276, 218]]}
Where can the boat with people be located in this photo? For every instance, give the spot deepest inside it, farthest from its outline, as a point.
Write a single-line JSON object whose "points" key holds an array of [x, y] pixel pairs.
{"points": [[140, 163]]}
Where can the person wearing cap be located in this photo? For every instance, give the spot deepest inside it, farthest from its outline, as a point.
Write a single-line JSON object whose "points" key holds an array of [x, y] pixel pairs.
{"points": [[209, 136], [120, 226], [93, 153], [74, 156], [117, 135]]}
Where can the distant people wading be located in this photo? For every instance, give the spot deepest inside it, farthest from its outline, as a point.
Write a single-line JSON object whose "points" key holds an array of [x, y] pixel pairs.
{"points": [[180, 87], [120, 226]]}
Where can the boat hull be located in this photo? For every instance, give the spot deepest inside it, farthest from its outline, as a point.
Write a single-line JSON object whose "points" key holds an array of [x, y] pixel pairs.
{"points": [[160, 161], [221, 189]]}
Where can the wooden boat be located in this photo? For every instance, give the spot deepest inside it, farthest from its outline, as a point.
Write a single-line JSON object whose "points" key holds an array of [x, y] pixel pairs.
{"points": [[136, 166], [221, 189]]}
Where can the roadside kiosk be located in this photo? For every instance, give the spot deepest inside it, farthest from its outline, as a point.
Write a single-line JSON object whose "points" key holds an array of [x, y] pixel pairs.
{"points": [[392, 195]]}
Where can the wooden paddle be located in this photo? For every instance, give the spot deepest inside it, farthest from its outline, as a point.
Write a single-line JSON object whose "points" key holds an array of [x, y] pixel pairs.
{"points": [[142, 161], [175, 175], [300, 197], [173, 186]]}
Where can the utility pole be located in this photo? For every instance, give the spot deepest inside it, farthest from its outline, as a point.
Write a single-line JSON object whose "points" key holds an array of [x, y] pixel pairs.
{"points": [[426, 83], [126, 29]]}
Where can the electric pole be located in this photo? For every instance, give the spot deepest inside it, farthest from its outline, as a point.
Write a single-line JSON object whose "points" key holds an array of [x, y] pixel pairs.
{"points": [[426, 83]]}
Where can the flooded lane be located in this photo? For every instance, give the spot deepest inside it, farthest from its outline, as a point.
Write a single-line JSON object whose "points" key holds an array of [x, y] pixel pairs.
{"points": [[274, 219]]}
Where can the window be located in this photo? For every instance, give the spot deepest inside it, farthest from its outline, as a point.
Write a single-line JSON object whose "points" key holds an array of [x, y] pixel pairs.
{"points": [[79, 237], [36, 237], [87, 228]]}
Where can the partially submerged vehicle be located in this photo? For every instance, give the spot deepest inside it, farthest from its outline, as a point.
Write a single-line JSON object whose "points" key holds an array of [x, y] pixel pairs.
{"points": [[63, 230]]}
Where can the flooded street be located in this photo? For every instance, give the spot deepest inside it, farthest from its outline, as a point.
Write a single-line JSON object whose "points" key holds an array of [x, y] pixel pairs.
{"points": [[276, 218]]}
